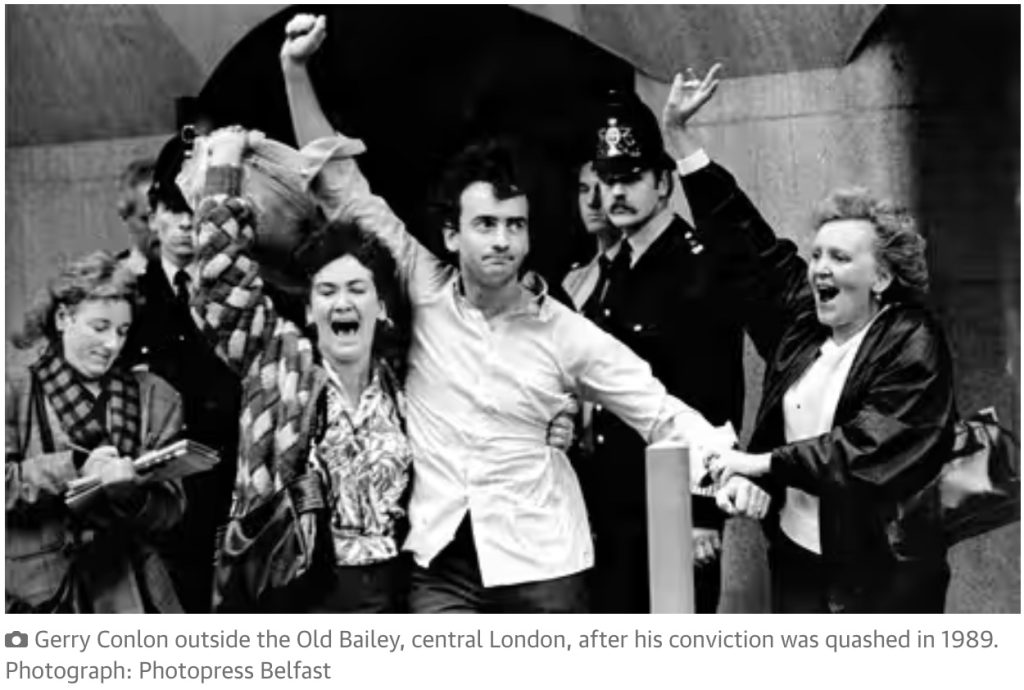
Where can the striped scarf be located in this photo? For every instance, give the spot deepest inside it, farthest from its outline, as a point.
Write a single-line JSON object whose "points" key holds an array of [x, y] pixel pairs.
{"points": [[76, 407]]}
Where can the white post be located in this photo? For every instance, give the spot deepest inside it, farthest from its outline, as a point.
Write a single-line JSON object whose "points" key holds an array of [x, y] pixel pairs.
{"points": [[669, 528]]}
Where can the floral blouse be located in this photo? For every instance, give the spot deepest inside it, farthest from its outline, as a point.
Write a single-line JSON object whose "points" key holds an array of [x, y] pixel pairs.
{"points": [[366, 458]]}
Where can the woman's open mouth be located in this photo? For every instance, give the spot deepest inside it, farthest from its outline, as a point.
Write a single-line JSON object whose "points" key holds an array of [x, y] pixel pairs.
{"points": [[826, 293], [345, 326]]}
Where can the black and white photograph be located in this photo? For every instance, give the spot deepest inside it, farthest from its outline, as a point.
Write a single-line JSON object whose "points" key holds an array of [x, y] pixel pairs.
{"points": [[512, 309]]}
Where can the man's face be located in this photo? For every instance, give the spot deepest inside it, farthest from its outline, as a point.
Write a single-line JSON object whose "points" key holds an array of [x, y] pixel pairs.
{"points": [[589, 197], [174, 231], [631, 199], [492, 239], [134, 210]]}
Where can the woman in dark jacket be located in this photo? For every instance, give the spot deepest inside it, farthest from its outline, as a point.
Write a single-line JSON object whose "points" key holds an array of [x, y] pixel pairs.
{"points": [[857, 408], [73, 411]]}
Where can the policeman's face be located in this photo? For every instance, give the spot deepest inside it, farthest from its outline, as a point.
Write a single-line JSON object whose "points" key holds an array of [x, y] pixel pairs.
{"points": [[492, 239], [630, 199], [174, 231]]}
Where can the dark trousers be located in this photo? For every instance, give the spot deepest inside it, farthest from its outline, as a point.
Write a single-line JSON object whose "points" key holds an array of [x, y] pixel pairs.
{"points": [[620, 580], [801, 584], [452, 584], [189, 550], [373, 588]]}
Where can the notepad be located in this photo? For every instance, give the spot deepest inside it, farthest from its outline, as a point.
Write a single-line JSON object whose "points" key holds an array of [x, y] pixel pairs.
{"points": [[175, 461]]}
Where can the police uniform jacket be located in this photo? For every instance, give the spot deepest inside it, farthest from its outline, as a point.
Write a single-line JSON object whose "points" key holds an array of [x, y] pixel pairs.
{"points": [[673, 311]]}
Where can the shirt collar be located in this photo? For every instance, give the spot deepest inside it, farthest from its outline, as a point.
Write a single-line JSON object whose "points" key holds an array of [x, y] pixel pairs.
{"points": [[170, 270], [534, 302], [641, 240]]}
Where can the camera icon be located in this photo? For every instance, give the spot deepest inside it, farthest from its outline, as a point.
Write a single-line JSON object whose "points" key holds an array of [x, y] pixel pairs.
{"points": [[16, 639]]}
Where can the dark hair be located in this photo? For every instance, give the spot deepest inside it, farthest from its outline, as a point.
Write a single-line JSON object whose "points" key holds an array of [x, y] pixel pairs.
{"points": [[337, 239], [496, 161], [899, 247], [96, 276]]}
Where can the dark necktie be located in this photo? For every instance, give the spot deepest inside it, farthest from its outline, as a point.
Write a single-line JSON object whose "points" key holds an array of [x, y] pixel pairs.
{"points": [[612, 274], [592, 307], [618, 273], [181, 279]]}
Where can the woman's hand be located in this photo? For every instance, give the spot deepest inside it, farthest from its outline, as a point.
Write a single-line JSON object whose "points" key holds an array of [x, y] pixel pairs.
{"points": [[304, 34], [724, 464], [226, 146], [688, 95], [116, 474]]}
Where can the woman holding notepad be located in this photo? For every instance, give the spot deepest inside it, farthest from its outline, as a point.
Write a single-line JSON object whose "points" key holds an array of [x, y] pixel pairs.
{"points": [[75, 416]]}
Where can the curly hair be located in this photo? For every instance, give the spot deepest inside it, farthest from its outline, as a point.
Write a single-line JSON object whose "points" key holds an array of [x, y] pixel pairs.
{"points": [[498, 161], [337, 239], [899, 247], [95, 276]]}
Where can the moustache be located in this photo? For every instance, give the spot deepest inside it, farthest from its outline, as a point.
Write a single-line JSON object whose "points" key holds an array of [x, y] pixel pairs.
{"points": [[622, 207]]}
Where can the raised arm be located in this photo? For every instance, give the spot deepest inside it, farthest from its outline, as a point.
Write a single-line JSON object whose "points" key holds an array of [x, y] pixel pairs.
{"points": [[229, 305], [341, 187], [765, 275]]}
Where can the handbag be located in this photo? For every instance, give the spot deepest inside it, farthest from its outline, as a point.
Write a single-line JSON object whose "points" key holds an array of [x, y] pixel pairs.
{"points": [[273, 557], [978, 488]]}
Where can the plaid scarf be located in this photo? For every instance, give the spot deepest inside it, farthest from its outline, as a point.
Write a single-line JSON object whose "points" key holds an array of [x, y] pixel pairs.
{"points": [[76, 407]]}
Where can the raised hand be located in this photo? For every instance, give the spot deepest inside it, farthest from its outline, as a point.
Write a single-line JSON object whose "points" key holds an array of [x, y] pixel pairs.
{"points": [[303, 36], [688, 95]]}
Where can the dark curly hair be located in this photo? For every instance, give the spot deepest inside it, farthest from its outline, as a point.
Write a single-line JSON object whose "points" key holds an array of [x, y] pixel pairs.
{"points": [[899, 247], [498, 161], [95, 276], [336, 239]]}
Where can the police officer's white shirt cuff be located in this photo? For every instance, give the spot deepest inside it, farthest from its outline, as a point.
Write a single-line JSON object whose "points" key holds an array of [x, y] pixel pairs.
{"points": [[692, 163]]}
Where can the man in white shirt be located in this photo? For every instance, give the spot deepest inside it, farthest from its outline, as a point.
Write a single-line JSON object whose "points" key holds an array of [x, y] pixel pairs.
{"points": [[497, 516]]}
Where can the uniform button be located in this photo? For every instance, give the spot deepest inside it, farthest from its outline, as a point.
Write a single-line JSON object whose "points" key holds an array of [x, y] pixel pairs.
{"points": [[637, 328], [607, 312], [144, 350], [598, 407], [181, 338], [600, 438]]}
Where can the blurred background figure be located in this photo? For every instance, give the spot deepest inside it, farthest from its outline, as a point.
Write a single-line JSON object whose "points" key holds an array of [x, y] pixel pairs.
{"points": [[133, 208]]}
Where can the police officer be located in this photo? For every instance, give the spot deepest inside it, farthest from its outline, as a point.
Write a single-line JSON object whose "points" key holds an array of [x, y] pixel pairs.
{"points": [[165, 340], [659, 291]]}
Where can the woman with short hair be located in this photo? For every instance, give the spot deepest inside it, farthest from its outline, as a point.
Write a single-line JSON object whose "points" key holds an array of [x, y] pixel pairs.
{"points": [[72, 411], [857, 408]]}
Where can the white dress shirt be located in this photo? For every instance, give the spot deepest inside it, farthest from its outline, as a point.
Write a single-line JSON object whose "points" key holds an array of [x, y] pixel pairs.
{"points": [[481, 395]]}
